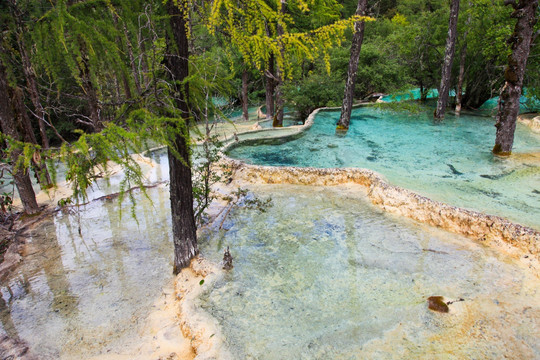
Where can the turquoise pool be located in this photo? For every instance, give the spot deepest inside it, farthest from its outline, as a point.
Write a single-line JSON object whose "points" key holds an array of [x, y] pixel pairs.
{"points": [[323, 274], [449, 161]]}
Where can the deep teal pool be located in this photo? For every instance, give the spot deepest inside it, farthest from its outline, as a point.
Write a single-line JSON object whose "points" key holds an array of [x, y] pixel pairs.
{"points": [[450, 161]]}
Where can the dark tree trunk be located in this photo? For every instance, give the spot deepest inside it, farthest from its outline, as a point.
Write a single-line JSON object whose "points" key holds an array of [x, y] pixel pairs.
{"points": [[245, 112], [183, 220], [25, 128], [270, 87], [348, 97], [521, 40], [444, 88], [30, 76], [280, 103], [9, 127]]}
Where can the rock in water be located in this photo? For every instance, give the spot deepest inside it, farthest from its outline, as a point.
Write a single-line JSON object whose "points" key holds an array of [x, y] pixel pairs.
{"points": [[436, 303], [227, 260]]}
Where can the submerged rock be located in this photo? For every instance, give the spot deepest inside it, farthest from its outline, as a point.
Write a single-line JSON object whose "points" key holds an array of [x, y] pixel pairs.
{"points": [[436, 303], [227, 260]]}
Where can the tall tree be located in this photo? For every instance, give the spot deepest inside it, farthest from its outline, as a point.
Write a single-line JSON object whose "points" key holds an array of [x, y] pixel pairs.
{"points": [[244, 96], [8, 125], [29, 72], [181, 188], [525, 11], [444, 88], [280, 31], [358, 38], [266, 36]]}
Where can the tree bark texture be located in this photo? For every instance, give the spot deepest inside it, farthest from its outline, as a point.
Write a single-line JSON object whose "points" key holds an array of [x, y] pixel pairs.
{"points": [[30, 76], [270, 87], [444, 88], [181, 187], [280, 103], [462, 58], [9, 127], [25, 128], [245, 110], [459, 88], [358, 38], [521, 40]]}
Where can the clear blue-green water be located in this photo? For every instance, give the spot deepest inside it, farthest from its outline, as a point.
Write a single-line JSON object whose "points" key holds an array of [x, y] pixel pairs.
{"points": [[323, 274], [88, 294], [449, 161]]}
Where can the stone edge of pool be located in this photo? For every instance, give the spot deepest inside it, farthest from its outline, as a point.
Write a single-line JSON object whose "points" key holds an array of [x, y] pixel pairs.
{"points": [[515, 240]]}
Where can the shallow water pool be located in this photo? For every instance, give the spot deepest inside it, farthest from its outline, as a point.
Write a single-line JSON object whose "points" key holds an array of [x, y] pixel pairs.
{"points": [[450, 161], [323, 274], [88, 294]]}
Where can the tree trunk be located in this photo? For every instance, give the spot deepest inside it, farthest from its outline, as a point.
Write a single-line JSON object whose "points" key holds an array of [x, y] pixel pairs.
{"points": [[444, 88], [358, 38], [459, 89], [463, 57], [270, 87], [30, 76], [25, 128], [245, 112], [183, 220], [9, 127], [280, 103], [521, 40]]}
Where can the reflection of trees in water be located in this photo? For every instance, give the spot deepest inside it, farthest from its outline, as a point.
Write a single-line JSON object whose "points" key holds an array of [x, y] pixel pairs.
{"points": [[5, 314], [39, 276]]}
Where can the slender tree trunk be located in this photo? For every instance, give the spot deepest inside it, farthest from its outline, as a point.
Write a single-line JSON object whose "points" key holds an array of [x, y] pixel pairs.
{"points": [[348, 97], [463, 57], [444, 88], [270, 87], [280, 103], [245, 111], [38, 163], [30, 76], [21, 177], [459, 89], [183, 220], [521, 40]]}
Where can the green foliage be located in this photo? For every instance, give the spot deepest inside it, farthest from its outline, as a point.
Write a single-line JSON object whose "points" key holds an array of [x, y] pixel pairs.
{"points": [[311, 92], [253, 29], [378, 72]]}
